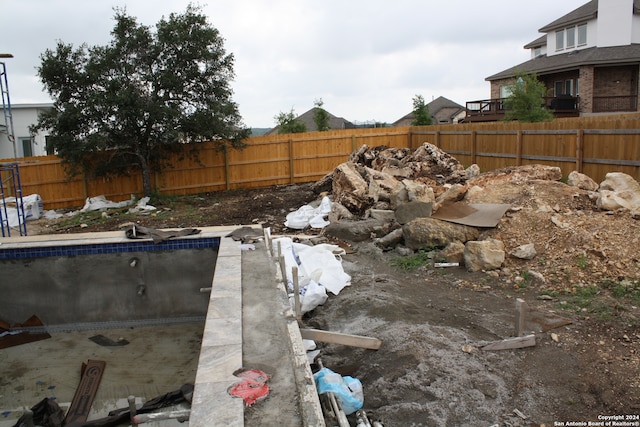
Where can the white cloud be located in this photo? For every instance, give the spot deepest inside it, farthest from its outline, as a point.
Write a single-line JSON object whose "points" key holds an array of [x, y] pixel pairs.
{"points": [[365, 59]]}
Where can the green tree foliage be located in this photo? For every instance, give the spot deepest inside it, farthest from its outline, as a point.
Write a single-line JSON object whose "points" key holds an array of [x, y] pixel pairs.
{"points": [[526, 102], [320, 116], [287, 123], [127, 105], [421, 115]]}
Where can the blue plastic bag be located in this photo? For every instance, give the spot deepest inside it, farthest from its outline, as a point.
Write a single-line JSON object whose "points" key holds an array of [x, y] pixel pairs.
{"points": [[347, 390]]}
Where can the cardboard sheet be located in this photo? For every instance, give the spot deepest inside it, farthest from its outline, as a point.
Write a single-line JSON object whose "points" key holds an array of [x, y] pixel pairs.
{"points": [[472, 214]]}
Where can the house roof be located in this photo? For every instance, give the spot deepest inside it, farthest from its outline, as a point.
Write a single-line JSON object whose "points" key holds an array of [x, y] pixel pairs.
{"points": [[436, 105], [581, 14], [310, 124], [544, 64], [540, 41]]}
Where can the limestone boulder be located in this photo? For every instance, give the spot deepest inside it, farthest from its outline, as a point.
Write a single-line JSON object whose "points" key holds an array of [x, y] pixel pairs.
{"points": [[619, 190], [454, 252], [350, 189], [527, 251], [358, 231], [429, 233], [582, 181], [483, 255]]}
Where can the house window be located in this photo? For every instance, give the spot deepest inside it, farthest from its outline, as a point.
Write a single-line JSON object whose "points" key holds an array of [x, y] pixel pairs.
{"points": [[537, 52], [577, 87], [582, 34], [559, 39], [564, 87], [49, 145], [27, 148], [571, 37], [505, 91], [568, 87]]}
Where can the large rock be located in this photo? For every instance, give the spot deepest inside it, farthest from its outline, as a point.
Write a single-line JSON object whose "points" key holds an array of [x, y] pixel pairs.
{"points": [[381, 185], [517, 174], [483, 255], [619, 190], [350, 189], [429, 233], [407, 212], [582, 181], [358, 231], [390, 240], [454, 252]]}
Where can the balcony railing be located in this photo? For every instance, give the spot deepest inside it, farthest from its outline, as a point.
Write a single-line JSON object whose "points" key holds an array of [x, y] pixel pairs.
{"points": [[603, 104], [487, 110]]}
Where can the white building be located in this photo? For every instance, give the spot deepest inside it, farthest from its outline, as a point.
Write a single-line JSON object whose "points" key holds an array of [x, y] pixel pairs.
{"points": [[24, 116]]}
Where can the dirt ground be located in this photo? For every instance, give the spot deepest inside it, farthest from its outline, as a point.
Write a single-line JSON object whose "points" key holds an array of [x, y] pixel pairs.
{"points": [[583, 290]]}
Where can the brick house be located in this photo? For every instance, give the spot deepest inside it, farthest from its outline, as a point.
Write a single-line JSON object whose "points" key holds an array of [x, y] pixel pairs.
{"points": [[588, 59]]}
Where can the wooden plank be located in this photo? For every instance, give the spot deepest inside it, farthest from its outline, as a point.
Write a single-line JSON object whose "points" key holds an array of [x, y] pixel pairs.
{"points": [[340, 338], [511, 343], [85, 393]]}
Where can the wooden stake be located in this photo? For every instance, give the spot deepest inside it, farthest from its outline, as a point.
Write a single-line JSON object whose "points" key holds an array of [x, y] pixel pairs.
{"points": [[521, 316], [296, 293]]}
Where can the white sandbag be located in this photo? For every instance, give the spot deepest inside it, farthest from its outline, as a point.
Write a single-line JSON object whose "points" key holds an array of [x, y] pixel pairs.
{"points": [[307, 216], [314, 296], [318, 259]]}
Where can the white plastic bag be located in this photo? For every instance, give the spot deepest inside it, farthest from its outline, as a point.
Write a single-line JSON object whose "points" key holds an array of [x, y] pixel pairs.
{"points": [[314, 296]]}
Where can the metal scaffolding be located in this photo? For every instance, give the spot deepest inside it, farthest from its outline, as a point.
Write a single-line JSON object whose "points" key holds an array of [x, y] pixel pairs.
{"points": [[11, 203]]}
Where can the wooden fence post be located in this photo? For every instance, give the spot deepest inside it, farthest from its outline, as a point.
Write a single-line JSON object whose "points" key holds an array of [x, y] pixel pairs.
{"points": [[437, 142], [291, 173], [410, 139], [519, 139], [226, 169], [353, 143], [579, 150], [474, 146]]}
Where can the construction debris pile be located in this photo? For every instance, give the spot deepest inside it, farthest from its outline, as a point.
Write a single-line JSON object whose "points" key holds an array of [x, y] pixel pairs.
{"points": [[424, 199]]}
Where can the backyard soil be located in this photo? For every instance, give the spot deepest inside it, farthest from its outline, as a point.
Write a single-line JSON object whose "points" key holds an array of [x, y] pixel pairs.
{"points": [[582, 289]]}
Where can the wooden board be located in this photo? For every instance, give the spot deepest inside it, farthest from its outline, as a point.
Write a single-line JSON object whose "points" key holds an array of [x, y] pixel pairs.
{"points": [[339, 338], [85, 393], [512, 343]]}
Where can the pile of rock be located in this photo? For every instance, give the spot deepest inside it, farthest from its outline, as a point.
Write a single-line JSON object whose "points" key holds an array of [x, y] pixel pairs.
{"points": [[391, 194]]}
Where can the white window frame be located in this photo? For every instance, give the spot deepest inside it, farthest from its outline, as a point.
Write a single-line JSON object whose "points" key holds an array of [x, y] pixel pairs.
{"points": [[582, 34], [571, 37], [560, 40]]}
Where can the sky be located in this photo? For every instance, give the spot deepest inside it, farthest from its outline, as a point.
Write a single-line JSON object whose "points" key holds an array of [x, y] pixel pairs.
{"points": [[366, 60]]}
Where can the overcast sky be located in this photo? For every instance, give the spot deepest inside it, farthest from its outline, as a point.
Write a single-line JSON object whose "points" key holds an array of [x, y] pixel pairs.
{"points": [[365, 59]]}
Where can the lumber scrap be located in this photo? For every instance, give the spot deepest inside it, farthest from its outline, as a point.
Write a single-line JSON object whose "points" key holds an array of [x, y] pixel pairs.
{"points": [[511, 343], [85, 393], [340, 338]]}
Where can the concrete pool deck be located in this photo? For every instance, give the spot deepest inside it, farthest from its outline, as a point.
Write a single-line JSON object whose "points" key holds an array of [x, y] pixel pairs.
{"points": [[249, 324]]}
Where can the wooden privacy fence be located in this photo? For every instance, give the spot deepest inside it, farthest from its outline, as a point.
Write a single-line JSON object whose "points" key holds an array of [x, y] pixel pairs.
{"points": [[594, 146]]}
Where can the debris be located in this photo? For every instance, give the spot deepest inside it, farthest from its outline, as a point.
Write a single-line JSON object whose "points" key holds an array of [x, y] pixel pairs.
{"points": [[527, 251], [253, 386], [511, 343], [85, 393], [339, 338], [180, 416], [446, 264], [555, 337], [346, 390], [468, 348], [108, 342], [472, 214], [158, 236], [30, 330], [308, 216], [521, 316], [520, 414], [246, 234], [101, 202]]}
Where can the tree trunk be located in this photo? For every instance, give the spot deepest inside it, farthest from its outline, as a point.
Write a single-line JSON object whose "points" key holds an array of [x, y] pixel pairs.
{"points": [[146, 176]]}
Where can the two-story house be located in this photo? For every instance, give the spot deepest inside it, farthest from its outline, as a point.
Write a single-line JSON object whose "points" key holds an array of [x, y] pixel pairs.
{"points": [[26, 144], [588, 59]]}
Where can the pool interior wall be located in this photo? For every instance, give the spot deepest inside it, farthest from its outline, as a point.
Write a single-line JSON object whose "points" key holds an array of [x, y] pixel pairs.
{"points": [[158, 358], [106, 281]]}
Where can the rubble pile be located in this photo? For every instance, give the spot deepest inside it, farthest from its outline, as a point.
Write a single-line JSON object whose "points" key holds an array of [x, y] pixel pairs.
{"points": [[425, 200]]}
